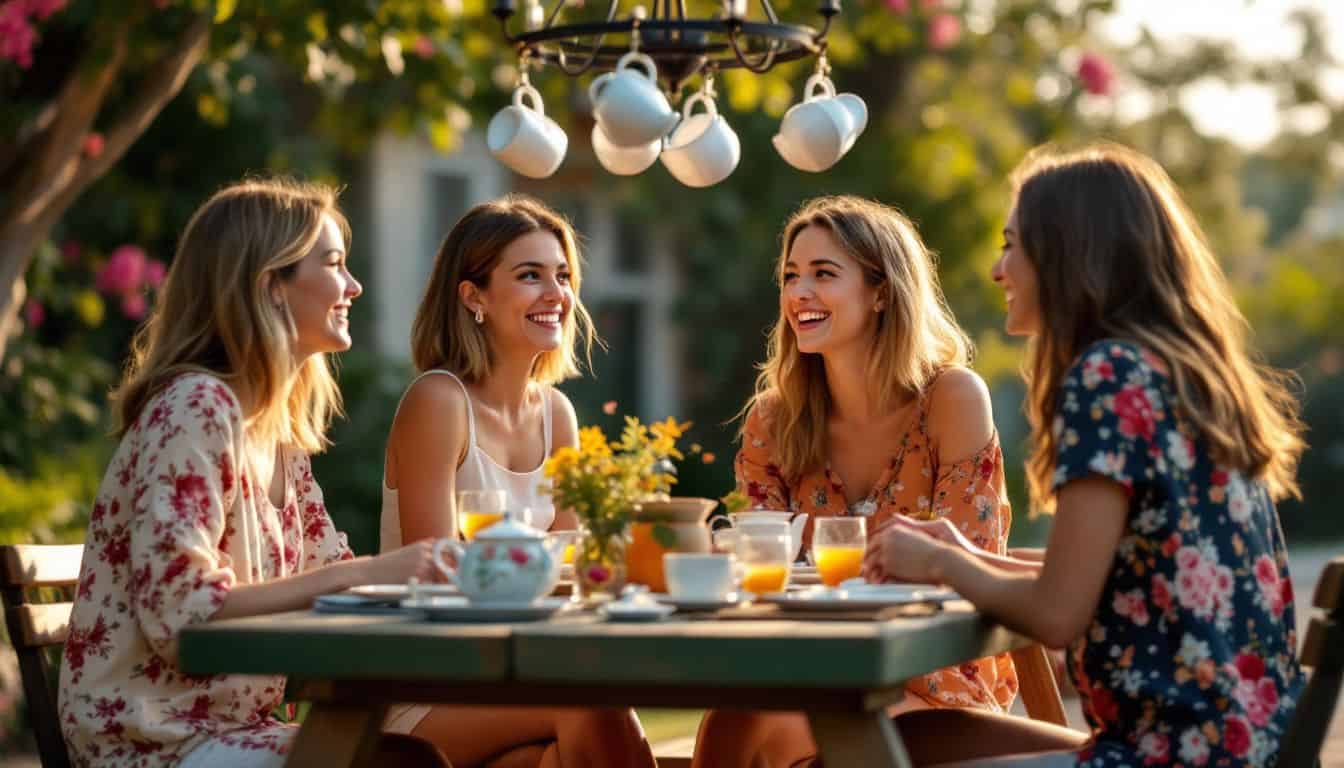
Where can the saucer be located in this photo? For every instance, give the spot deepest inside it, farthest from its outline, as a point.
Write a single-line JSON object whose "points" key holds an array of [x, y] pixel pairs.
{"points": [[459, 609], [395, 593], [345, 603], [869, 597], [625, 611], [698, 603]]}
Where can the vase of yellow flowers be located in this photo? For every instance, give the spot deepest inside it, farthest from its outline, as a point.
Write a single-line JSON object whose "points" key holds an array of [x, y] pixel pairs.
{"points": [[604, 482]]}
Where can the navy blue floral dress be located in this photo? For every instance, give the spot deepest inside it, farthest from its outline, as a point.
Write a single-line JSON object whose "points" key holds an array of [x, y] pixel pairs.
{"points": [[1190, 658]]}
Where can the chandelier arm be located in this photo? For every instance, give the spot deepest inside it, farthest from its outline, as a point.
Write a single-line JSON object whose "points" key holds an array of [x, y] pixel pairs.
{"points": [[769, 11], [760, 65], [594, 51]]}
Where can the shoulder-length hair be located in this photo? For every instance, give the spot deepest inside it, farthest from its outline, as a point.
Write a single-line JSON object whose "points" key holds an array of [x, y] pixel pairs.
{"points": [[916, 333], [445, 334], [215, 312], [1119, 255]]}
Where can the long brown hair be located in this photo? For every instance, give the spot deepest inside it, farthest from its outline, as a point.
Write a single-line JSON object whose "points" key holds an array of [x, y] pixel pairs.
{"points": [[916, 332], [215, 315], [444, 334], [1118, 255]]}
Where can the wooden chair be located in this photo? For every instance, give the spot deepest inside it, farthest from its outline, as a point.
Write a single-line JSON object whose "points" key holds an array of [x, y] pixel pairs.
{"points": [[1323, 653], [37, 627], [1037, 685]]}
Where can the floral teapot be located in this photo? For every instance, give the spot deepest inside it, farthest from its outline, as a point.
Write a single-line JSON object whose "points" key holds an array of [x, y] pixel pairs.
{"points": [[508, 563]]}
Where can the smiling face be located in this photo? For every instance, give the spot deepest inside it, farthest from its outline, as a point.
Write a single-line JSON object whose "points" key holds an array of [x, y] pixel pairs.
{"points": [[824, 297], [1016, 275], [528, 300], [318, 295]]}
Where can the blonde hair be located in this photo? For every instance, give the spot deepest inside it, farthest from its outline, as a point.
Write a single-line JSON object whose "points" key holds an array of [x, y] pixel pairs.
{"points": [[1118, 255], [215, 313], [916, 333], [445, 334]]}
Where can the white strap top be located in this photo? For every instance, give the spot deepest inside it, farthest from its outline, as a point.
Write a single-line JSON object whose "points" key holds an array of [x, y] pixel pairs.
{"points": [[479, 472]]}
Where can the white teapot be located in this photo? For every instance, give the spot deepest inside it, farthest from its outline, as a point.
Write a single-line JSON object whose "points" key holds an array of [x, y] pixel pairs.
{"points": [[508, 563]]}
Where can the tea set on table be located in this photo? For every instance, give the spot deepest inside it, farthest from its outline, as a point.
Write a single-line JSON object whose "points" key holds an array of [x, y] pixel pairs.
{"points": [[509, 570], [636, 125]]}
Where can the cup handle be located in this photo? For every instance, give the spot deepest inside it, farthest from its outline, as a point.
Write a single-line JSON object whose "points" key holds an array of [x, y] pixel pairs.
{"points": [[527, 91], [643, 60], [699, 97], [818, 81], [437, 554], [727, 523], [595, 87]]}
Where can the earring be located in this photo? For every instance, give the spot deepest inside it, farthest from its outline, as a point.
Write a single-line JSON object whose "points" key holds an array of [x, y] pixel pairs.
{"points": [[877, 307], [480, 316]]}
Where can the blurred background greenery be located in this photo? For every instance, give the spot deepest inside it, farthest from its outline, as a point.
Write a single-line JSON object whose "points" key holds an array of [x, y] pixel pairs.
{"points": [[958, 92]]}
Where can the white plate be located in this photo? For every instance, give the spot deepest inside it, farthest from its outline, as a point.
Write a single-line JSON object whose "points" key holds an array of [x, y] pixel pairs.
{"points": [[458, 609], [698, 604], [623, 611], [399, 592], [871, 597]]}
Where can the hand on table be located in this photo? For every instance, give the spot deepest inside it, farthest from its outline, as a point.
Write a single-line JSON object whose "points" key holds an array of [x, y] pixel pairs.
{"points": [[399, 565], [904, 550]]}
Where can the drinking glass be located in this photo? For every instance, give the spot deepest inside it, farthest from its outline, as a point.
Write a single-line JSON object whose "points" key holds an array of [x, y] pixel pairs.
{"points": [[477, 510], [763, 550], [837, 547]]}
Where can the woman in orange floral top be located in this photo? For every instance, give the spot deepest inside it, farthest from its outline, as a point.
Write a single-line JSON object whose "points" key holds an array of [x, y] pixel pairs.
{"points": [[864, 408]]}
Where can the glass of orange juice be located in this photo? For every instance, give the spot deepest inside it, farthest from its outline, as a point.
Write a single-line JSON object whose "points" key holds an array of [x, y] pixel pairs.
{"points": [[763, 550], [837, 548], [477, 510]]}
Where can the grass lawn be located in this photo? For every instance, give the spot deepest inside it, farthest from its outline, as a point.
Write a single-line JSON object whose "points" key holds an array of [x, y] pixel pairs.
{"points": [[667, 724]]}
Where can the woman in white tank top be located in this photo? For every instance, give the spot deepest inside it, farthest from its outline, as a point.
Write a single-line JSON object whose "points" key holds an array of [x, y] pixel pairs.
{"points": [[498, 325]]}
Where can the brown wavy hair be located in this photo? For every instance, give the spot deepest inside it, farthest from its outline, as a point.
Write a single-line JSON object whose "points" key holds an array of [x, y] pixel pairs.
{"points": [[916, 333], [1118, 255], [445, 335], [215, 314]]}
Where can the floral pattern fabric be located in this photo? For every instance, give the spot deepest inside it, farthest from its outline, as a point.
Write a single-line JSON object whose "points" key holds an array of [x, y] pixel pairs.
{"points": [[177, 523], [969, 492], [1189, 659]]}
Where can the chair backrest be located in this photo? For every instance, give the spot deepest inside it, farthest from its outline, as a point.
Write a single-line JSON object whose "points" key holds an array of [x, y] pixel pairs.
{"points": [[34, 627], [1323, 653]]}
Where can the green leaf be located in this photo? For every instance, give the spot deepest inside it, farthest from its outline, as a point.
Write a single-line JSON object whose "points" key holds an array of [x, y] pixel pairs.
{"points": [[664, 535]]}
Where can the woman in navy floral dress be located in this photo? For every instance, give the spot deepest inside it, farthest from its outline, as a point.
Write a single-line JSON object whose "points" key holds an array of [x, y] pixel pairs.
{"points": [[1162, 445]]}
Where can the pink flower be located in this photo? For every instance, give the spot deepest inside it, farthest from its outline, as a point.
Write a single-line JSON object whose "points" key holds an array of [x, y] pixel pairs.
{"points": [[1096, 74], [71, 252], [1155, 748], [1236, 735], [1250, 666], [1266, 572], [424, 47], [1161, 592], [609, 407], [154, 272], [898, 6], [133, 305], [43, 9], [34, 314], [93, 144], [1135, 413], [124, 271], [518, 556], [17, 36], [598, 574], [944, 31]]}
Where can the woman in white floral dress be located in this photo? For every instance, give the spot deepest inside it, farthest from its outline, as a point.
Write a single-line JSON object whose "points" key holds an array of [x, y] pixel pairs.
{"points": [[209, 509]]}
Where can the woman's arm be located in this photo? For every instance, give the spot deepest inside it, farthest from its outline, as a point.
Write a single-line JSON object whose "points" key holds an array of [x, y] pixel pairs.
{"points": [[1054, 605], [566, 434], [297, 592], [427, 444]]}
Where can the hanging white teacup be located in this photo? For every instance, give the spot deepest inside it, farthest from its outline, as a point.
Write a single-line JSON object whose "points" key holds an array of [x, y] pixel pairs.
{"points": [[628, 105], [524, 138], [624, 161], [818, 131], [703, 149]]}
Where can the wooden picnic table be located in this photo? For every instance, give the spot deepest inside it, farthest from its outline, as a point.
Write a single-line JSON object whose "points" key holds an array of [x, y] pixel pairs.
{"points": [[843, 674]]}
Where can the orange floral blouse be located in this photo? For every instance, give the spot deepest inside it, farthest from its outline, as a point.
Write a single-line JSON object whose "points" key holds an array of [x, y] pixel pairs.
{"points": [[969, 492]]}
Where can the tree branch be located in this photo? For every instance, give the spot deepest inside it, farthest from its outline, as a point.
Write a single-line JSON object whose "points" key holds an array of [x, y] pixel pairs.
{"points": [[28, 136], [161, 84]]}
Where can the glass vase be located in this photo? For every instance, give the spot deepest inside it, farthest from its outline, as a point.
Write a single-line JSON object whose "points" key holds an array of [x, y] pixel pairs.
{"points": [[599, 564]]}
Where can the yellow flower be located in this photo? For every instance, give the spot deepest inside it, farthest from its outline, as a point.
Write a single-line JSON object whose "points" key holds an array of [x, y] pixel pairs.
{"points": [[89, 306]]}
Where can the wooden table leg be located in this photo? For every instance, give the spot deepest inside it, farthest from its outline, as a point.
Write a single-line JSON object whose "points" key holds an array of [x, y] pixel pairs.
{"points": [[858, 738], [337, 735]]}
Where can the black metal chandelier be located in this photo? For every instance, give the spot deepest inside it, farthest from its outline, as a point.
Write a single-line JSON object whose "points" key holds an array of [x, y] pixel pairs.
{"points": [[682, 47]]}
